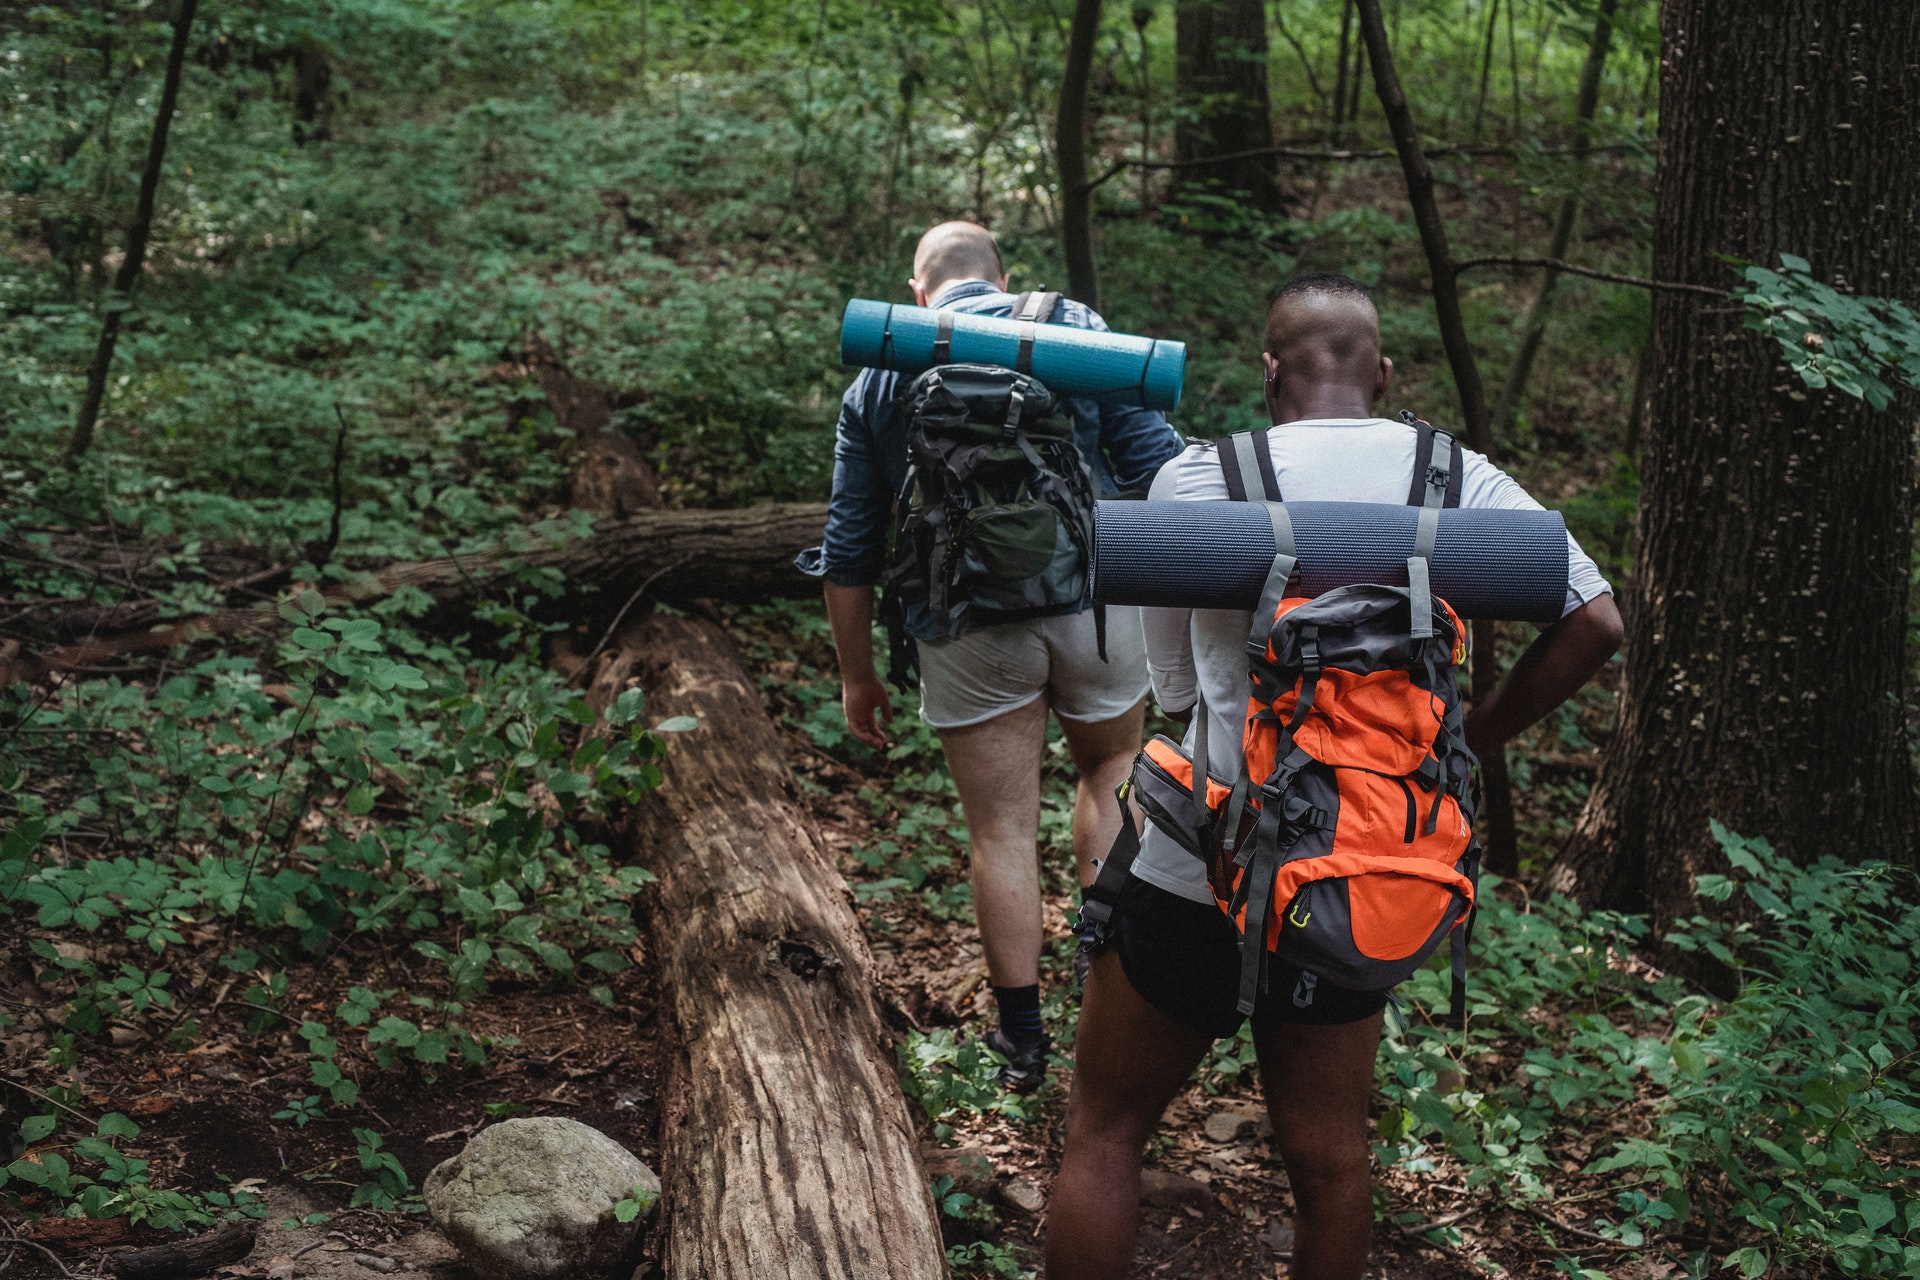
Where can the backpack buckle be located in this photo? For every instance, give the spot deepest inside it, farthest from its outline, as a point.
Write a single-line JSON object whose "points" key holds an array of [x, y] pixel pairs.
{"points": [[1437, 478]]}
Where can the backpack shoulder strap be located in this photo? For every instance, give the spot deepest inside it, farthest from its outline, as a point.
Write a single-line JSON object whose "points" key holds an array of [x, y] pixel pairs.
{"points": [[1036, 306], [1029, 309], [1246, 461], [1439, 466]]}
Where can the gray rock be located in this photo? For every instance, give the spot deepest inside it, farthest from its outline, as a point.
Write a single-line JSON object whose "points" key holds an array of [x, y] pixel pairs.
{"points": [[1023, 1195], [970, 1168], [1165, 1189], [1227, 1126], [534, 1198]]}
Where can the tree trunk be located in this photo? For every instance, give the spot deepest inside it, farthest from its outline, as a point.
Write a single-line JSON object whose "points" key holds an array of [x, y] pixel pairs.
{"points": [[1070, 144], [1496, 787], [1220, 49], [1767, 621], [136, 255], [792, 1153], [1534, 328]]}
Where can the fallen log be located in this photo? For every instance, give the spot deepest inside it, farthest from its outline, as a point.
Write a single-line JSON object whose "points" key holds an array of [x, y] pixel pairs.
{"points": [[791, 1153], [181, 1258], [742, 554]]}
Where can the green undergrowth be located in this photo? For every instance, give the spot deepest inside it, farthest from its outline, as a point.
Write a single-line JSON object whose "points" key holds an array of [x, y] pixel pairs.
{"points": [[360, 789], [1774, 1133]]}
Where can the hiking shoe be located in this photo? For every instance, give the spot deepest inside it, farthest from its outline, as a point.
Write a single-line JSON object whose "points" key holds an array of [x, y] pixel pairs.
{"points": [[1026, 1063]]}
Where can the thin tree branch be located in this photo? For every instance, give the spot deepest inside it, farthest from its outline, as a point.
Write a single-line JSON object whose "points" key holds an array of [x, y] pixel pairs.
{"points": [[1335, 156], [136, 253], [1592, 273]]}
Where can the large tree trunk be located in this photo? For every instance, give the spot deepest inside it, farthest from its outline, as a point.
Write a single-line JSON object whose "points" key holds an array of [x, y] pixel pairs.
{"points": [[792, 1153], [1767, 620], [1221, 63]]}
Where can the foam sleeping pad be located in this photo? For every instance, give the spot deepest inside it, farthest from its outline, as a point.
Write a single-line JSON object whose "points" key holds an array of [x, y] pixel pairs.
{"points": [[1487, 563], [1117, 368]]}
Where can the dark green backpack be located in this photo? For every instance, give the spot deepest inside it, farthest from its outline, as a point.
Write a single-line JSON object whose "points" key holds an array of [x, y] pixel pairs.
{"points": [[995, 521]]}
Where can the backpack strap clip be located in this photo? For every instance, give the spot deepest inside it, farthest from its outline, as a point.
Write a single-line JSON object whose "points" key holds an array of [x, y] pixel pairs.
{"points": [[1016, 402]]}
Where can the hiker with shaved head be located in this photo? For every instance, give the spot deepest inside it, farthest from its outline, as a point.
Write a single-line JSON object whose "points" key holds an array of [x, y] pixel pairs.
{"points": [[987, 690], [1169, 974]]}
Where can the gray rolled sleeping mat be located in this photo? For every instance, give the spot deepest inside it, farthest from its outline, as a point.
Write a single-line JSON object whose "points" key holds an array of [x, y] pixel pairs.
{"points": [[1486, 562]]}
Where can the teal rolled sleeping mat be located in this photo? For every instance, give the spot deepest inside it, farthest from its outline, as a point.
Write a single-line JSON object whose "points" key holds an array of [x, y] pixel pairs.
{"points": [[1115, 368]]}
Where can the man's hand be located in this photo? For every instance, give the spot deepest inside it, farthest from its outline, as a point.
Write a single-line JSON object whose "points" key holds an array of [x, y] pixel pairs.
{"points": [[863, 697], [1551, 670]]}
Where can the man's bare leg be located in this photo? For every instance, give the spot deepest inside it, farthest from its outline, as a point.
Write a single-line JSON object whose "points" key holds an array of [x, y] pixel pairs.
{"points": [[1317, 1081], [1103, 752], [996, 766], [1129, 1062]]}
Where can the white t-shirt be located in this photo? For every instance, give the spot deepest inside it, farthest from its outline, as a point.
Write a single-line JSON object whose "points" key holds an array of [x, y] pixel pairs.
{"points": [[1319, 460]]}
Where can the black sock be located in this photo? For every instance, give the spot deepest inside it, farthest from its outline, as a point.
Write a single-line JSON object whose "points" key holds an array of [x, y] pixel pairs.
{"points": [[1019, 1011]]}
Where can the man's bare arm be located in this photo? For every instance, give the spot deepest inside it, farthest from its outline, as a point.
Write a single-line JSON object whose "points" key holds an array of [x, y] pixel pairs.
{"points": [[1551, 670], [862, 694]]}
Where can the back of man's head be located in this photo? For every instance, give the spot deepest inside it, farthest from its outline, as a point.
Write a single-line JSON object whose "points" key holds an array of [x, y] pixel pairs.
{"points": [[1324, 327], [1323, 350], [955, 251]]}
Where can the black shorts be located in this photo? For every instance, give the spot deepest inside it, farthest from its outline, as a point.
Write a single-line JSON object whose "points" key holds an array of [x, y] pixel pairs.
{"points": [[1183, 957]]}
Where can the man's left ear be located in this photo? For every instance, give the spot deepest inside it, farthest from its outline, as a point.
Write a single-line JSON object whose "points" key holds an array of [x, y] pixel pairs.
{"points": [[1382, 380], [1003, 281]]}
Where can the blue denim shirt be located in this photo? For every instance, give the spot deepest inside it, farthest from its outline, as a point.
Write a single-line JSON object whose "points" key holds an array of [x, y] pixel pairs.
{"points": [[1124, 448]]}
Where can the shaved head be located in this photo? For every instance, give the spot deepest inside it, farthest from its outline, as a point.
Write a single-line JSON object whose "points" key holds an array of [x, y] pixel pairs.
{"points": [[956, 251], [1323, 347]]}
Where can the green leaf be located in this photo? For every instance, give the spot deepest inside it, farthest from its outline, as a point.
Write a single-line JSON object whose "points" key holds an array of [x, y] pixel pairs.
{"points": [[115, 1125], [1794, 262], [677, 724], [215, 783], [1750, 1261], [626, 707], [360, 800], [1876, 1210], [313, 602], [34, 1128]]}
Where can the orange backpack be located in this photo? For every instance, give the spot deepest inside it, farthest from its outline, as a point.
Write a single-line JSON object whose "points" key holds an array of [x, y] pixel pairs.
{"points": [[1345, 845]]}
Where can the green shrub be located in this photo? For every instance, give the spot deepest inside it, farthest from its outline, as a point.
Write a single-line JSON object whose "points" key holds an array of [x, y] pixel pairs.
{"points": [[1773, 1132]]}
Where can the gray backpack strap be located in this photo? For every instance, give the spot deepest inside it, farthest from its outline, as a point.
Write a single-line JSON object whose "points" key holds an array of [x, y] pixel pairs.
{"points": [[1435, 483], [1246, 459], [943, 337], [1438, 462], [1285, 557], [1030, 309]]}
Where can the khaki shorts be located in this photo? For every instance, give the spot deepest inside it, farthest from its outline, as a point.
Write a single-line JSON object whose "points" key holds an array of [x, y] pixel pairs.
{"points": [[989, 672]]}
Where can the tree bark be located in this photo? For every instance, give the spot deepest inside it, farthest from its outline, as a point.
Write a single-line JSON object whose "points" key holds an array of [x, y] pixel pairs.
{"points": [[1534, 328], [1070, 145], [1220, 57], [1496, 787], [180, 1258], [1767, 620], [793, 1153], [136, 256]]}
